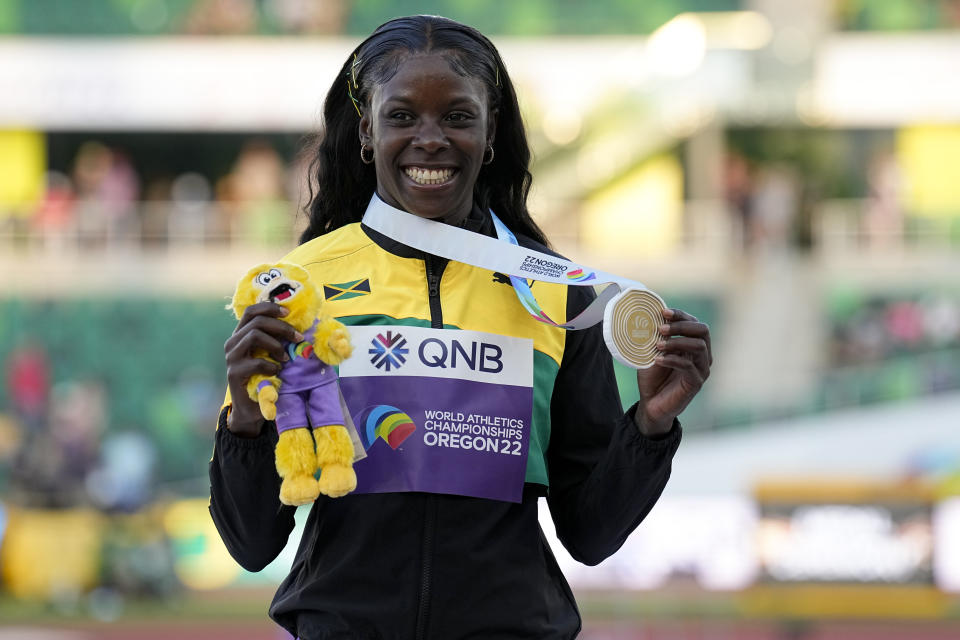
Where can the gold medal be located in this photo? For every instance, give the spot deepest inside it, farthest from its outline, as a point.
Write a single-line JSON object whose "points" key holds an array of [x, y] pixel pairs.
{"points": [[630, 326]]}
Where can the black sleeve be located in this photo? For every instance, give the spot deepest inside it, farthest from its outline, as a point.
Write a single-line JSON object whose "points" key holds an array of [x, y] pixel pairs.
{"points": [[245, 496], [605, 475]]}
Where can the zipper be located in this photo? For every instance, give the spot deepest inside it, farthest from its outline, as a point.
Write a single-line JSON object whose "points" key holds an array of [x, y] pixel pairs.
{"points": [[434, 267]]}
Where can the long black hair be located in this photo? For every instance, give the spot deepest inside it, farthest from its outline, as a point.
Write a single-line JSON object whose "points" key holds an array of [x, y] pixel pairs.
{"points": [[341, 185]]}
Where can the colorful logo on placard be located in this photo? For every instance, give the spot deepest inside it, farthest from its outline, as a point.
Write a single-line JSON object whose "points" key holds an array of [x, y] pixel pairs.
{"points": [[390, 424], [388, 351], [577, 275]]}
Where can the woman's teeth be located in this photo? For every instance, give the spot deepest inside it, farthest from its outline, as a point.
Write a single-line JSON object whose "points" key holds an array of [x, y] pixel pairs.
{"points": [[429, 176]]}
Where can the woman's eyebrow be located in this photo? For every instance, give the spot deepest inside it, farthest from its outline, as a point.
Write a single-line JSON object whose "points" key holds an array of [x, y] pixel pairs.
{"points": [[467, 100], [408, 99]]}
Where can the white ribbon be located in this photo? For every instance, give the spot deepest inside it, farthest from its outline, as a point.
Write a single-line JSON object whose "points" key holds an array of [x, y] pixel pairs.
{"points": [[629, 311]]}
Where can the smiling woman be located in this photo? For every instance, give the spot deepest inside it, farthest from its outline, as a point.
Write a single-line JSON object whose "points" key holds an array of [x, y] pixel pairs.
{"points": [[440, 538]]}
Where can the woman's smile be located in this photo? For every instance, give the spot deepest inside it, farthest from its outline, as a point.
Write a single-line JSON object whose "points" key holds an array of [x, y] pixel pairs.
{"points": [[425, 176]]}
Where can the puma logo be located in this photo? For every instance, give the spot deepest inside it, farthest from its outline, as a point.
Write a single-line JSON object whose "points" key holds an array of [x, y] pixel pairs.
{"points": [[499, 278]]}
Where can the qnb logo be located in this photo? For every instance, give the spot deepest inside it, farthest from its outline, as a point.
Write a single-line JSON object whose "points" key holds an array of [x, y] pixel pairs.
{"points": [[388, 351], [484, 357]]}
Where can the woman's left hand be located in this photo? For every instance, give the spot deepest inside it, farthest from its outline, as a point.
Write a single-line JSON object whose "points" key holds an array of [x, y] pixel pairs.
{"points": [[680, 369]]}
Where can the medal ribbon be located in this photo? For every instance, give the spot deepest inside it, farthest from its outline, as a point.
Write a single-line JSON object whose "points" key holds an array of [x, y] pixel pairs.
{"points": [[506, 256]]}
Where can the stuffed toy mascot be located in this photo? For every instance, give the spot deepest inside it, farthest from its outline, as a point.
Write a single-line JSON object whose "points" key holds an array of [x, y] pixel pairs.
{"points": [[305, 393]]}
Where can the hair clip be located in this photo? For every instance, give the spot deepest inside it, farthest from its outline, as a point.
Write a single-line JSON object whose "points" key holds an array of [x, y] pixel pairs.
{"points": [[352, 84], [498, 75], [356, 103]]}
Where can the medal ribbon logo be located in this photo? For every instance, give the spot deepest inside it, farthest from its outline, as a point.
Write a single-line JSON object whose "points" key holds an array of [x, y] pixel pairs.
{"points": [[522, 286]]}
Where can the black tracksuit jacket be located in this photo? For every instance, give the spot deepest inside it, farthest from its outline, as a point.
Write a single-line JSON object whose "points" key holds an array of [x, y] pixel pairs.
{"points": [[401, 566]]}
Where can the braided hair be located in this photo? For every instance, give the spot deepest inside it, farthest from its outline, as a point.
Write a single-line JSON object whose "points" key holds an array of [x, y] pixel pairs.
{"points": [[341, 185]]}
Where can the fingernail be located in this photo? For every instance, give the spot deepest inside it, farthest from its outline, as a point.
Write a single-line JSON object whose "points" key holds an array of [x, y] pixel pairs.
{"points": [[298, 336], [286, 357], [662, 344], [284, 311], [664, 329]]}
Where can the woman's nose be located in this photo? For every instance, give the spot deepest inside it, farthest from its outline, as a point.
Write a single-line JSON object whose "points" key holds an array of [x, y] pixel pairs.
{"points": [[430, 136]]}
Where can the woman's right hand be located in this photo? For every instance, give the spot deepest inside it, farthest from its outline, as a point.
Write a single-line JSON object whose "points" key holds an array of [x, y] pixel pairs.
{"points": [[260, 330]]}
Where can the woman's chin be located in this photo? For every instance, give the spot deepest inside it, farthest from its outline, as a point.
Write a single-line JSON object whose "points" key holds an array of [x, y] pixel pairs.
{"points": [[436, 204]]}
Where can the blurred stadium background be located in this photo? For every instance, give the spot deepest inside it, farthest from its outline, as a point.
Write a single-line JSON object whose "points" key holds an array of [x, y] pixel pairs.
{"points": [[787, 171]]}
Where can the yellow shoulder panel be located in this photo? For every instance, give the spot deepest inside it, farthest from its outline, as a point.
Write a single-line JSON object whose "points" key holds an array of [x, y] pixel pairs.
{"points": [[473, 299], [357, 277]]}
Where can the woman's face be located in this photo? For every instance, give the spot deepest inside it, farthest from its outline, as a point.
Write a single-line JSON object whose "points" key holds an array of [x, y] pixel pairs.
{"points": [[429, 128]]}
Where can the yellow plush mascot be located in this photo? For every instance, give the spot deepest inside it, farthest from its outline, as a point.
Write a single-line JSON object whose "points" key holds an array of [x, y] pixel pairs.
{"points": [[306, 392]]}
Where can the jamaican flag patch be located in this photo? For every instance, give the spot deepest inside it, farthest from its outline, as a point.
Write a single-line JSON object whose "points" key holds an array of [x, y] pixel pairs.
{"points": [[346, 290]]}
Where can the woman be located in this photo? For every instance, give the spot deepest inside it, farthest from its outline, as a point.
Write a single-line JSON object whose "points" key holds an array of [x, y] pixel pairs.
{"points": [[424, 114]]}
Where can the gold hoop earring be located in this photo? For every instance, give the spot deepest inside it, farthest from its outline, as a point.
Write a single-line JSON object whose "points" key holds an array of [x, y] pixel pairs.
{"points": [[363, 158], [485, 159]]}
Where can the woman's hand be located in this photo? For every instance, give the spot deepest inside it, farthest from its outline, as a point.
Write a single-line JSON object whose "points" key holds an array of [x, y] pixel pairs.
{"points": [[679, 371], [260, 330]]}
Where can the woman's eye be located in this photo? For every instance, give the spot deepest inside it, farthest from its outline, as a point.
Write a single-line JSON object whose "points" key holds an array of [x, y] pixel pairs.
{"points": [[401, 116], [458, 117]]}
